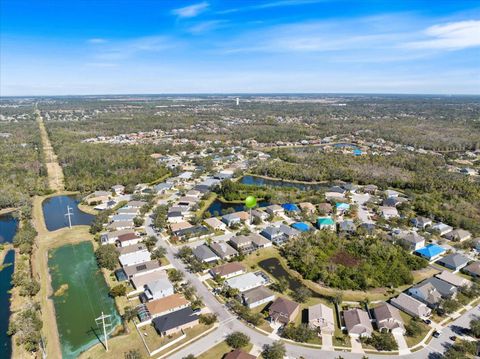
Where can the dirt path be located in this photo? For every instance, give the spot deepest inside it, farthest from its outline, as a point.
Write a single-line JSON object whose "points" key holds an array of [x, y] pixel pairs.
{"points": [[54, 170]]}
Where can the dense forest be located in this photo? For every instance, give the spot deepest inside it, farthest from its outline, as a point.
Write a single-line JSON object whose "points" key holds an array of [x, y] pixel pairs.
{"points": [[89, 167], [22, 170], [450, 197], [352, 263]]}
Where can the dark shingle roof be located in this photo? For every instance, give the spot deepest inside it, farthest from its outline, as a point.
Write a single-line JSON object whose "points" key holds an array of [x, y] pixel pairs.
{"points": [[175, 319]]}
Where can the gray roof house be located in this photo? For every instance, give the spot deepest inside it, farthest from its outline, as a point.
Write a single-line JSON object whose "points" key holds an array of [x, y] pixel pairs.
{"points": [[205, 254], [453, 279], [388, 319], [411, 306], [412, 240], [458, 235], [279, 234], [231, 219], [255, 297], [421, 222], [158, 289], [172, 322], [321, 316], [432, 290], [358, 323], [245, 281], [223, 250], [454, 261], [142, 268]]}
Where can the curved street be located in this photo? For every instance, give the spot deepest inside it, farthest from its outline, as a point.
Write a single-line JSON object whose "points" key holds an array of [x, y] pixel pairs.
{"points": [[229, 323]]}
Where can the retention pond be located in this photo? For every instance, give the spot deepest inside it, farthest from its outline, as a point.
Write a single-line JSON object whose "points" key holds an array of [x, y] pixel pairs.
{"points": [[56, 208], [80, 296]]}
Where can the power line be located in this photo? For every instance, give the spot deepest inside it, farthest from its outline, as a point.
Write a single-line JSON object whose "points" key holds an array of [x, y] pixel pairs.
{"points": [[105, 325], [69, 215]]}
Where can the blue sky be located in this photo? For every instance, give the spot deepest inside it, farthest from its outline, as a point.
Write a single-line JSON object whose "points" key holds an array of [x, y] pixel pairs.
{"points": [[57, 47]]}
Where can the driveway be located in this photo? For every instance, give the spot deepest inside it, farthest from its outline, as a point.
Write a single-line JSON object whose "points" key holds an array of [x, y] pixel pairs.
{"points": [[356, 345], [363, 214], [327, 341], [402, 344]]}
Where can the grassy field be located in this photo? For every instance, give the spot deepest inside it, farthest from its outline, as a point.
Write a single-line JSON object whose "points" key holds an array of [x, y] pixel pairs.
{"points": [[219, 351]]}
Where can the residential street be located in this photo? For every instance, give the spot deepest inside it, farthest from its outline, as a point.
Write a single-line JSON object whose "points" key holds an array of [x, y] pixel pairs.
{"points": [[229, 323]]}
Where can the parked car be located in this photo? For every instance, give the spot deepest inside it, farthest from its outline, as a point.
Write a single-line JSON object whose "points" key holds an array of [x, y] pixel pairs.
{"points": [[453, 337], [427, 321], [436, 334]]}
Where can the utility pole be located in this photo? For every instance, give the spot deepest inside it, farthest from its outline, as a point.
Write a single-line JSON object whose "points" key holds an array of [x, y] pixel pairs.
{"points": [[105, 325], [69, 215]]}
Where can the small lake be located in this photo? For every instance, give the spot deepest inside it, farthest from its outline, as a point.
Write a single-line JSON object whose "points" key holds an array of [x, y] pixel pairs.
{"points": [[80, 296], [5, 286], [260, 181], [55, 208], [219, 207], [8, 227]]}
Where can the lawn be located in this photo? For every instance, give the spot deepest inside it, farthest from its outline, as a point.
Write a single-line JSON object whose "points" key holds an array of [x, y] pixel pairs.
{"points": [[411, 341], [155, 341], [191, 333], [219, 350]]}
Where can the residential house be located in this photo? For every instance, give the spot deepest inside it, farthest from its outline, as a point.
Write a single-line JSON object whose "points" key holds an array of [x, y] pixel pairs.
{"points": [[192, 233], [358, 323], [454, 261], [119, 226], [128, 239], [290, 207], [394, 201], [228, 270], [160, 288], [161, 188], [274, 210], [249, 243], [431, 252], [370, 188], [261, 215], [341, 207], [307, 207], [458, 235], [135, 204], [123, 217], [432, 290], [283, 310], [142, 268], [214, 223], [138, 282], [326, 223], [347, 226], [97, 197], [279, 234], [111, 237], [223, 250], [134, 254], [411, 306], [245, 281], [321, 317], [239, 354], [454, 279], [388, 212], [388, 319], [441, 228], [473, 269], [178, 226], [205, 254], [256, 297], [392, 193], [165, 305], [231, 219], [412, 240], [118, 189], [129, 211], [171, 323], [325, 208], [421, 222]]}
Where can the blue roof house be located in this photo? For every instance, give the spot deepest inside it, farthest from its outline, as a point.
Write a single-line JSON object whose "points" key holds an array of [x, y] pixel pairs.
{"points": [[291, 207], [325, 223], [431, 252], [342, 207], [301, 226]]}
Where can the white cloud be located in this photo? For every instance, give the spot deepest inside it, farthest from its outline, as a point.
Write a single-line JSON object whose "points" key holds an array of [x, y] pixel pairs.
{"points": [[191, 10], [96, 40], [129, 48], [450, 36], [207, 26]]}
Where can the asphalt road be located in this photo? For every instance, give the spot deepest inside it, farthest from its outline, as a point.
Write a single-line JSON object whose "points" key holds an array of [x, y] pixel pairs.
{"points": [[228, 323]]}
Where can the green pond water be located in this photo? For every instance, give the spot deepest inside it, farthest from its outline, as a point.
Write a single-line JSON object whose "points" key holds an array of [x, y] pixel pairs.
{"points": [[80, 296]]}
